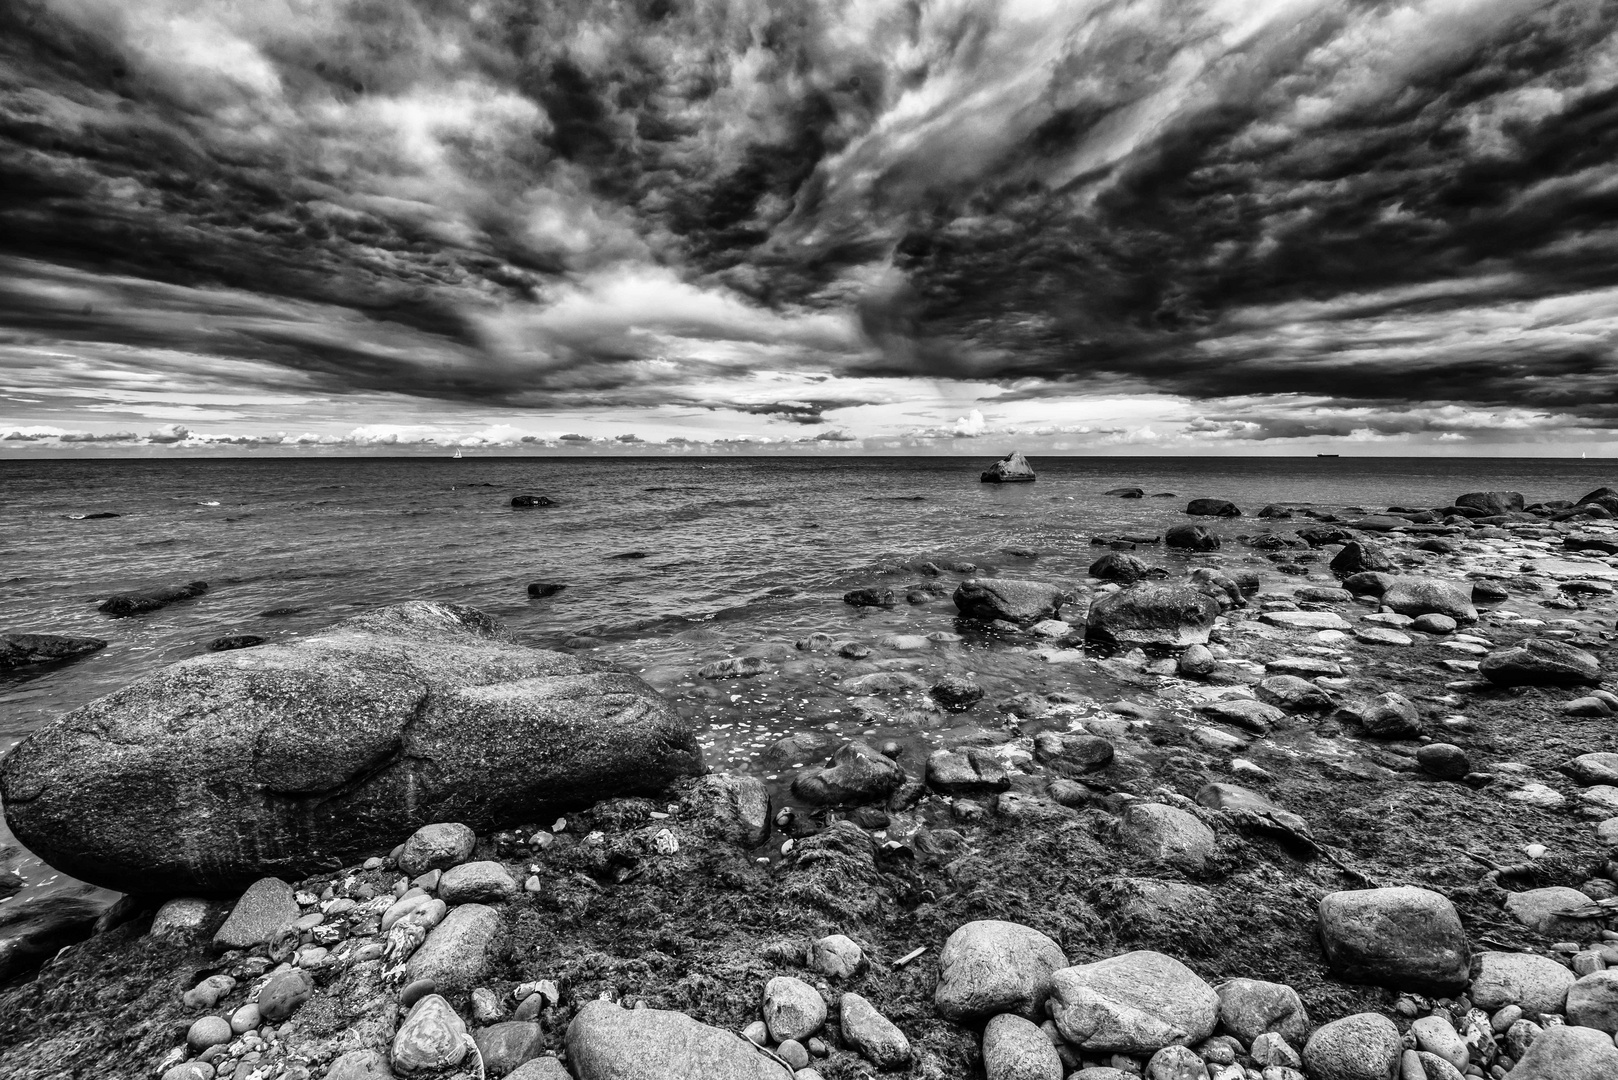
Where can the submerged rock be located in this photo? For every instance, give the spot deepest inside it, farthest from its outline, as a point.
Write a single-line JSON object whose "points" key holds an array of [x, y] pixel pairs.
{"points": [[857, 774], [1212, 508], [1013, 468], [223, 768], [136, 603], [1020, 602], [1190, 538], [19, 649], [1360, 557], [1119, 567], [1174, 616], [522, 502]]}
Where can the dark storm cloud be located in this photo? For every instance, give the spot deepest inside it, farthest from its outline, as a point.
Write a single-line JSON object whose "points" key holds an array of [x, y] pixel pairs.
{"points": [[625, 203]]}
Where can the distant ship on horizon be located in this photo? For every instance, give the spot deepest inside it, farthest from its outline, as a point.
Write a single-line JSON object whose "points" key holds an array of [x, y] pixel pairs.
{"points": [[1328, 455]]}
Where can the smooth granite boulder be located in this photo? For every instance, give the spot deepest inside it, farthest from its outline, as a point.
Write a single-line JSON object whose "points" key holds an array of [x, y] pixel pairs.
{"points": [[1365, 1046], [605, 1042], [1169, 616], [1416, 596], [1537, 983], [309, 753], [1404, 938], [1136, 1003], [1003, 598], [1568, 1053], [991, 966], [1541, 662]]}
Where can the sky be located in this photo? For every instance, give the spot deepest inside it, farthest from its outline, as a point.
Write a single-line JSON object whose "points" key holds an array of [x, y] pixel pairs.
{"points": [[894, 226]]}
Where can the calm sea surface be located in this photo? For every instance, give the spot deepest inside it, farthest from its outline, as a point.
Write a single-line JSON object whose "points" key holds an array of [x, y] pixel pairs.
{"points": [[739, 553]]}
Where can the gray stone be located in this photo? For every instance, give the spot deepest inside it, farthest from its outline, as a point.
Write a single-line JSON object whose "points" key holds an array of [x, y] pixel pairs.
{"points": [[455, 955], [1568, 1053], [265, 909], [186, 918], [1360, 557], [1136, 1003], [476, 882], [507, 1045], [1251, 810], [1021, 602], [1592, 1001], [836, 956], [314, 751], [1016, 1049], [1291, 692], [1601, 768], [733, 806], [1540, 910], [1537, 983], [1431, 596], [1254, 716], [1541, 662], [1168, 834], [1492, 503], [1305, 620], [19, 649], [1250, 1007], [1434, 624], [857, 774], [1190, 538], [1072, 754], [1119, 567], [792, 1009], [872, 1034], [283, 994], [1171, 616], [360, 1065], [966, 772], [1390, 716], [990, 966], [605, 1042], [1176, 1063], [1365, 1046], [1404, 938], [1444, 760], [431, 1039], [541, 1068], [438, 846]]}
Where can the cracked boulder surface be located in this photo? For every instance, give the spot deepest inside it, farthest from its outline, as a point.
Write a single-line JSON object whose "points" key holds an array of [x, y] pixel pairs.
{"points": [[292, 758]]}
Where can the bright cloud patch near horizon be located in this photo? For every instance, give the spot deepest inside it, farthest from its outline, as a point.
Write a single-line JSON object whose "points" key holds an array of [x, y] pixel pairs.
{"points": [[845, 226]]}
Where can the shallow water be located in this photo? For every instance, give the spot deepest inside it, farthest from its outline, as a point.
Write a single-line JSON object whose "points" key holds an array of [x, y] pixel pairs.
{"points": [[739, 555]]}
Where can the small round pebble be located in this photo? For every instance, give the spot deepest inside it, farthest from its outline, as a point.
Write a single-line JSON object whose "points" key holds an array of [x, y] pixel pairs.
{"points": [[756, 1033], [793, 1053], [245, 1019], [208, 1031], [414, 992]]}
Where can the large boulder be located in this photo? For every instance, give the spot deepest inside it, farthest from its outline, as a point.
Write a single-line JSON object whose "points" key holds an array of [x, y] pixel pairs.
{"points": [[1537, 983], [1174, 616], [1250, 1007], [1014, 601], [1492, 503], [1013, 468], [989, 967], [1136, 1003], [1168, 834], [1190, 538], [1592, 1001], [1415, 596], [1563, 1052], [306, 754], [1360, 557], [140, 602], [857, 774], [1119, 567], [19, 649], [1403, 937], [605, 1042], [1365, 1046], [1212, 508], [1541, 662]]}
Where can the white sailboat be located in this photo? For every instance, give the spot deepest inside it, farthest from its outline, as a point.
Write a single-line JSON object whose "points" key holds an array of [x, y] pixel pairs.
{"points": [[457, 454]]}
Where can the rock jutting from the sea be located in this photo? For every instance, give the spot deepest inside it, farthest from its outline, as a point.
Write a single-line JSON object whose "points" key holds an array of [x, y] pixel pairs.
{"points": [[284, 758], [1011, 469], [17, 650], [138, 603]]}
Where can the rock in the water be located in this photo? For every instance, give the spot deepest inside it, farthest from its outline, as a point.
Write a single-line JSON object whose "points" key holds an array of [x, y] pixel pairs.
{"points": [[732, 805], [1255, 716], [1404, 938], [1119, 567], [1250, 1007], [872, 1034], [792, 1009], [1537, 983], [1136, 1003], [1013, 468], [1174, 616], [1360, 557], [1212, 508], [1019, 602], [456, 954], [973, 770], [1369, 583], [1297, 694], [1431, 596], [1541, 662], [1492, 503], [292, 756], [522, 502], [19, 649], [1016, 1049], [476, 882], [857, 774], [1568, 1053], [507, 1045], [883, 598], [1305, 620], [539, 590], [438, 846], [433, 1038], [1190, 538], [990, 966], [137, 603], [1072, 755], [957, 693], [1218, 585], [1168, 834], [734, 667], [265, 909], [235, 641], [1365, 1046]]}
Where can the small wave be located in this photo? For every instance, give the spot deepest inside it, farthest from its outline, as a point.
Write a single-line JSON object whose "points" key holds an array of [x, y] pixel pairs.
{"points": [[211, 502]]}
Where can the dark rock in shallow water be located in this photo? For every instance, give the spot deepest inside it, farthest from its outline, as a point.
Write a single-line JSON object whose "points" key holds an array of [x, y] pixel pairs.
{"points": [[101, 515], [1541, 662], [33, 933], [857, 774], [1274, 510], [19, 649], [135, 603], [295, 756], [1126, 493], [541, 589], [1190, 538], [1492, 503], [524, 501], [1369, 583], [1359, 557], [1116, 566], [1014, 601], [1013, 468], [1166, 615], [870, 598], [1212, 508], [234, 641], [1321, 535]]}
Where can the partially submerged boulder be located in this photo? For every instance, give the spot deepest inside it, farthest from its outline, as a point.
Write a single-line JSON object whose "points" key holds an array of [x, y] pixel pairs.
{"points": [[1013, 468], [1002, 598], [308, 753], [1213, 508], [1541, 662], [19, 649], [1172, 616], [137, 603]]}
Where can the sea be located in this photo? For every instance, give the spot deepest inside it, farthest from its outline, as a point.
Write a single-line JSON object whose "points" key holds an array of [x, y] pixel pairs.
{"points": [[668, 563]]}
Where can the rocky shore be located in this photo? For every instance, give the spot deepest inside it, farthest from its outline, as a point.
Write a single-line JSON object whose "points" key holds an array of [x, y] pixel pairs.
{"points": [[1362, 825]]}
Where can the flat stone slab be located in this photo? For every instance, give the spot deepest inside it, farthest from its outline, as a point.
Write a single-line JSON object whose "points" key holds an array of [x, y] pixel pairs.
{"points": [[1305, 620]]}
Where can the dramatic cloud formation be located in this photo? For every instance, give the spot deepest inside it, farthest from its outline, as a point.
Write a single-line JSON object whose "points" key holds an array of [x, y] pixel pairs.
{"points": [[865, 224]]}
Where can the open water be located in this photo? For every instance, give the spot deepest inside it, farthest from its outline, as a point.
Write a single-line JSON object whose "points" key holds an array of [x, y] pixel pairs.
{"points": [[669, 563]]}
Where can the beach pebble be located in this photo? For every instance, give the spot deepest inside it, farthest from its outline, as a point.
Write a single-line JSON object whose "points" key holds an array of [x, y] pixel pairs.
{"points": [[1364, 1046], [476, 882], [1248, 1008], [794, 1054], [264, 910], [245, 1019], [792, 1008], [1436, 1035], [1434, 624], [282, 995], [507, 1045], [437, 847], [431, 1039], [208, 1031], [456, 954], [873, 1034], [1176, 1063], [206, 994], [1444, 760], [836, 956]]}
